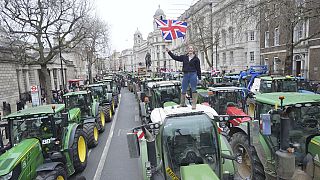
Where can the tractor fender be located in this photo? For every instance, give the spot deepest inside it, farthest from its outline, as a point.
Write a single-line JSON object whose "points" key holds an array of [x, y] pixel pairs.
{"points": [[241, 128], [89, 120], [50, 166], [73, 130]]}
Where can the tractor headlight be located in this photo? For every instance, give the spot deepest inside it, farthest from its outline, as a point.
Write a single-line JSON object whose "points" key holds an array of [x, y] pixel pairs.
{"points": [[151, 126], [157, 126], [7, 176]]}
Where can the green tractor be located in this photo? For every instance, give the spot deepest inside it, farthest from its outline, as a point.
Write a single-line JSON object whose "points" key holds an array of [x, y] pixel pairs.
{"points": [[158, 94], [88, 113], [100, 94], [181, 143], [112, 87], [44, 144], [286, 139]]}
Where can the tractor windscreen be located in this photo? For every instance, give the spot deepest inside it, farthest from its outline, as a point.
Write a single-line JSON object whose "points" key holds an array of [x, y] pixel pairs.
{"points": [[169, 93], [81, 101], [97, 91], [304, 123], [279, 86], [35, 127], [190, 140]]}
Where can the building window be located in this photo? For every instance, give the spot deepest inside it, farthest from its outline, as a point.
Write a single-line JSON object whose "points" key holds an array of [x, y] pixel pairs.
{"points": [[252, 56], [231, 35], [276, 63], [224, 38], [266, 39], [224, 60], [251, 35], [164, 55], [276, 37], [299, 30], [266, 61], [231, 58]]}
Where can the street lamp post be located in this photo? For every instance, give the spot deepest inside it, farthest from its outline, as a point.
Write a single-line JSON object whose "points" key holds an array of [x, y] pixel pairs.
{"points": [[61, 66]]}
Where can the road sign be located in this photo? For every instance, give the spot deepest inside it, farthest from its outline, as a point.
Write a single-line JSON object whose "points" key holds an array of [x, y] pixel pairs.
{"points": [[35, 95], [34, 89]]}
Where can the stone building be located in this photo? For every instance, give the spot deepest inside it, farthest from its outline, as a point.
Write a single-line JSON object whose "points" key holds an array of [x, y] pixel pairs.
{"points": [[237, 43], [275, 32], [126, 57], [154, 45]]}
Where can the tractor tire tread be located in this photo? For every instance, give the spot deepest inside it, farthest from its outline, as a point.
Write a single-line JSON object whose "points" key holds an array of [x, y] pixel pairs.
{"points": [[77, 164], [241, 138], [58, 171], [88, 130]]}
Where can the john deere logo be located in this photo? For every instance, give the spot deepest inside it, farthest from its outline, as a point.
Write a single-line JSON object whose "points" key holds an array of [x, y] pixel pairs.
{"points": [[24, 164]]}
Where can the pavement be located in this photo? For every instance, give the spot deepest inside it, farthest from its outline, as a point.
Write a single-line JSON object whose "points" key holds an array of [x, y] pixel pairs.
{"points": [[110, 159]]}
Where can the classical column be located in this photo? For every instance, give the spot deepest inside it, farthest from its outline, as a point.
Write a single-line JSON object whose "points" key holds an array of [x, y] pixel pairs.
{"points": [[52, 79], [36, 77], [27, 80], [58, 78]]}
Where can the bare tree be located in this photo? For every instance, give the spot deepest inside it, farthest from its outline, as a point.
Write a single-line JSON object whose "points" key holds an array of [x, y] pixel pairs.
{"points": [[288, 14], [202, 36], [35, 24], [96, 40]]}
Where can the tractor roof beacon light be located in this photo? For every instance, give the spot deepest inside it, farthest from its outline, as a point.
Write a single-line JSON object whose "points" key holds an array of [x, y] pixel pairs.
{"points": [[53, 108], [281, 101]]}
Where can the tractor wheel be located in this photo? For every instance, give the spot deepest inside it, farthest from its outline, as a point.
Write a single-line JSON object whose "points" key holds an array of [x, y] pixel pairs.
{"points": [[113, 109], [80, 151], [251, 166], [116, 101], [92, 134], [108, 113], [102, 121], [59, 173]]}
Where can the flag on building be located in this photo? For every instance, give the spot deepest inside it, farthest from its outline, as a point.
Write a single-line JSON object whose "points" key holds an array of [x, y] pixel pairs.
{"points": [[172, 29]]}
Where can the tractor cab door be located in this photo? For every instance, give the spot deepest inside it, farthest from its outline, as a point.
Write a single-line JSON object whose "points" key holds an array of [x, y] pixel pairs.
{"points": [[4, 134]]}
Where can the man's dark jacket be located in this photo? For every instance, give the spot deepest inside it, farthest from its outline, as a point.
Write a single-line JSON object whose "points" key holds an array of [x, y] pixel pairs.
{"points": [[188, 66]]}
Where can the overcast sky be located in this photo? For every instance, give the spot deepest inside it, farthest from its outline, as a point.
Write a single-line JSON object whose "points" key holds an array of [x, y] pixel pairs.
{"points": [[125, 16]]}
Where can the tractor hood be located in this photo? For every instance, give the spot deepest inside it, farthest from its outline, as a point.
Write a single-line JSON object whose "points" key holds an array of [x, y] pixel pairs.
{"points": [[197, 172], [234, 111], [314, 149], [74, 113], [10, 159]]}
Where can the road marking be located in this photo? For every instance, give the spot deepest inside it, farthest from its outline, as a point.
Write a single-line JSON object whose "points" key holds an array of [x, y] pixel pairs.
{"points": [[102, 161], [89, 152], [119, 132]]}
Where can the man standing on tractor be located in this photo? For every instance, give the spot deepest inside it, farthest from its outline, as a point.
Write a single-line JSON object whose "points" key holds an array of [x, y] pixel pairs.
{"points": [[191, 69]]}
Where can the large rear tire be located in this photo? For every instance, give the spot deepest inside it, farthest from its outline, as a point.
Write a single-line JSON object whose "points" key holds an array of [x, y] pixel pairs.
{"points": [[108, 113], [102, 121], [80, 151], [92, 134], [59, 173], [251, 166]]}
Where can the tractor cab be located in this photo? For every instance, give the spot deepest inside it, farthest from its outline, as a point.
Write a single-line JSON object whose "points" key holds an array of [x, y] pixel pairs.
{"points": [[291, 134], [181, 143], [80, 99], [46, 125], [223, 99], [100, 92], [42, 140], [159, 94], [75, 84], [268, 84], [5, 142]]}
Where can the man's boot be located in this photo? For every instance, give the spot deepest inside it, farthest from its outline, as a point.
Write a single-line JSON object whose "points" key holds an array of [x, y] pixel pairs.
{"points": [[194, 100], [182, 101]]}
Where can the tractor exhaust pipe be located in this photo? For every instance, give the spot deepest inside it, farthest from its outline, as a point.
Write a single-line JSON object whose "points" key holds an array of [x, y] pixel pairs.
{"points": [[284, 133]]}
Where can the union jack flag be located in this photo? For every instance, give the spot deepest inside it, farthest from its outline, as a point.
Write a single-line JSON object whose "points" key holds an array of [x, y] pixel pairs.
{"points": [[172, 29]]}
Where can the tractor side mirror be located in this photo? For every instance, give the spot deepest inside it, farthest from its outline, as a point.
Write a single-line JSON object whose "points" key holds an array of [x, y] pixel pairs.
{"points": [[133, 147], [65, 117], [266, 124]]}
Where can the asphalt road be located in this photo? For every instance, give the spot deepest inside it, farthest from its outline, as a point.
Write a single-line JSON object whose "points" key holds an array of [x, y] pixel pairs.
{"points": [[110, 159]]}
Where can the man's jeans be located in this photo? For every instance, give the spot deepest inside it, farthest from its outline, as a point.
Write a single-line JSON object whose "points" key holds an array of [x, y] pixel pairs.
{"points": [[189, 78]]}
